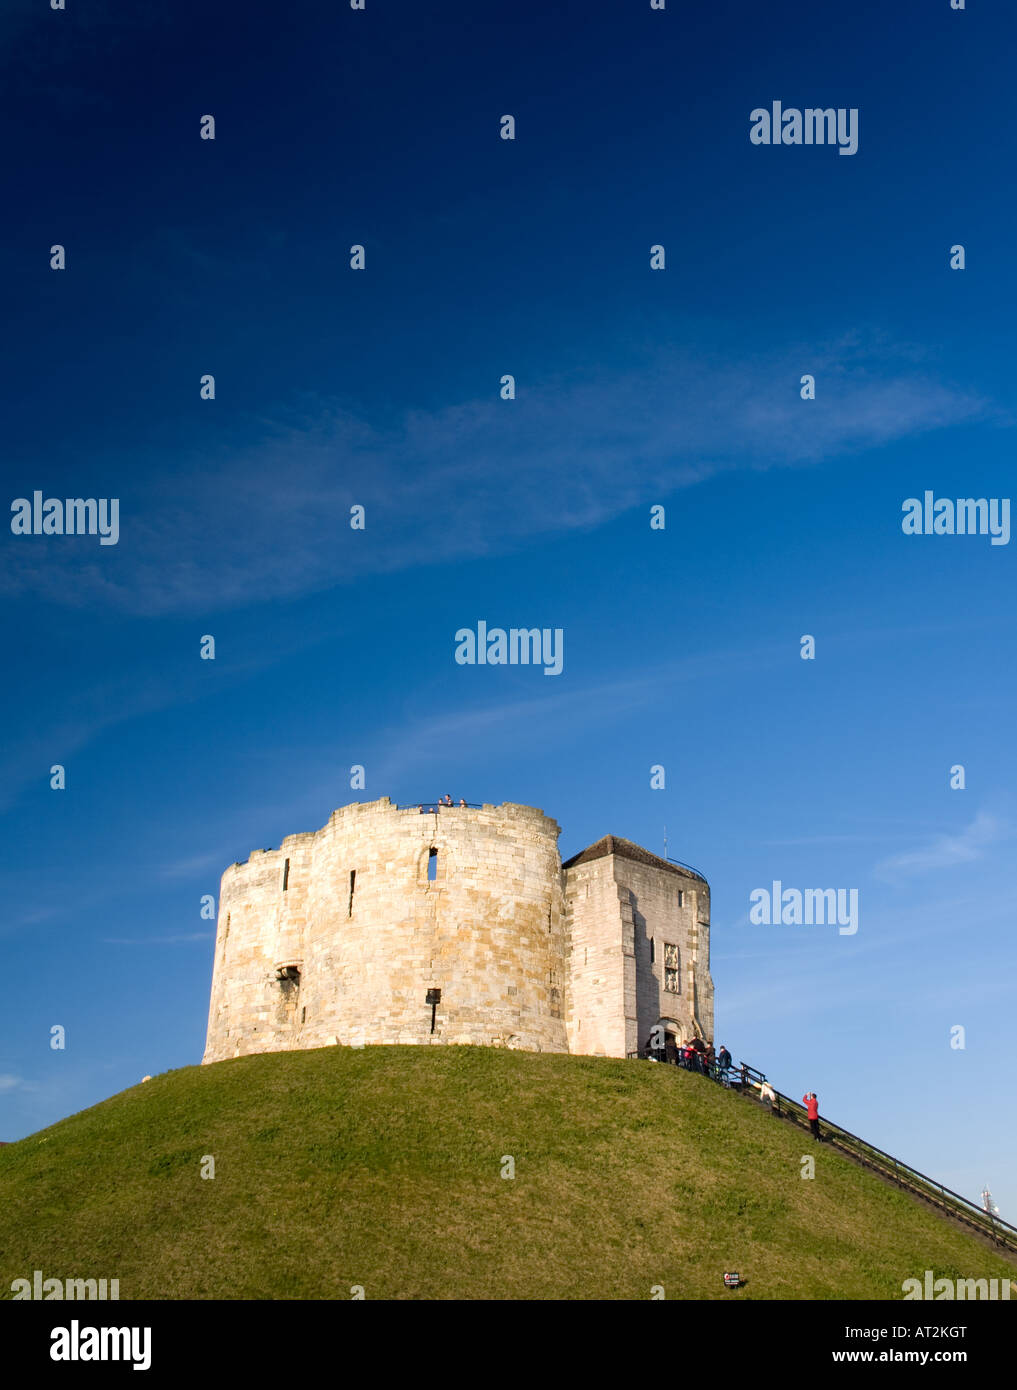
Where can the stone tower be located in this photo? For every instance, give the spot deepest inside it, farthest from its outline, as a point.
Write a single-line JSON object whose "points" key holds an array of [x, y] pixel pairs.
{"points": [[390, 925], [638, 929]]}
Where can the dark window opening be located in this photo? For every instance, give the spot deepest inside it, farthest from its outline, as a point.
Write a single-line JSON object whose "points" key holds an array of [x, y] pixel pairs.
{"points": [[432, 866], [681, 897], [651, 950], [288, 978], [353, 884], [286, 875], [303, 1014]]}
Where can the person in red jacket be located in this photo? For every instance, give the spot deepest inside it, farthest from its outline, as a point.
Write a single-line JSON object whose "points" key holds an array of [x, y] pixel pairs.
{"points": [[812, 1108]]}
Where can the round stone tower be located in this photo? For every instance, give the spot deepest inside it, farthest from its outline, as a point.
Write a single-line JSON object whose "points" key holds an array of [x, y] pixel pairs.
{"points": [[394, 926]]}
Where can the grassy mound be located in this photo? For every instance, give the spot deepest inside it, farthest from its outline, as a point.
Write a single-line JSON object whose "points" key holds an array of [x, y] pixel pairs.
{"points": [[383, 1167]]}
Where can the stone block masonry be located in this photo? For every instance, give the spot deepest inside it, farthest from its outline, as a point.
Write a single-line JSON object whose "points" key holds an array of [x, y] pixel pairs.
{"points": [[340, 935], [637, 929]]}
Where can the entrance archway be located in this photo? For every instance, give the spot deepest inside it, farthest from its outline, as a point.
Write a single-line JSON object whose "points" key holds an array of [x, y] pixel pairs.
{"points": [[671, 1030]]}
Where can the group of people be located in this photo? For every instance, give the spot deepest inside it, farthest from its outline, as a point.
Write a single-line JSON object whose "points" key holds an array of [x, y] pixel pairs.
{"points": [[696, 1055], [441, 803]]}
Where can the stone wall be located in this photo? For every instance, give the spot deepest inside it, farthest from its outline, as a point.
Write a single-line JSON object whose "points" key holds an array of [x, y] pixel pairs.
{"points": [[601, 962], [671, 912], [631, 917], [338, 935]]}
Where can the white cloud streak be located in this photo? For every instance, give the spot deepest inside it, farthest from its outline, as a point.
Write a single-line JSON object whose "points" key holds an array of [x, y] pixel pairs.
{"points": [[271, 519], [947, 851]]}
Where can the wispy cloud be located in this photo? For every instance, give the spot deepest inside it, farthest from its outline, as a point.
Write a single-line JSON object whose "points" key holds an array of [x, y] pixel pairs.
{"points": [[828, 840], [947, 851], [87, 711], [157, 940], [85, 714], [554, 715], [195, 865], [534, 719], [8, 1082], [471, 479]]}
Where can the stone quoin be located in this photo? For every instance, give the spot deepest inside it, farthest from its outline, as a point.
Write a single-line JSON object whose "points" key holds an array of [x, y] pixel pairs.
{"points": [[347, 934]]}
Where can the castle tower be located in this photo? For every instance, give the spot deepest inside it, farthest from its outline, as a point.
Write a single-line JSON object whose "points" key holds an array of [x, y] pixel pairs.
{"points": [[457, 925], [340, 934], [638, 929]]}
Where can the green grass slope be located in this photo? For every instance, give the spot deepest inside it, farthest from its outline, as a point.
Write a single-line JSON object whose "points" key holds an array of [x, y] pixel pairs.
{"points": [[382, 1167]]}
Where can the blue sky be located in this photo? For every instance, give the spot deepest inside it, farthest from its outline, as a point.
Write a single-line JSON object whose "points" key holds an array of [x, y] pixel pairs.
{"points": [[635, 388]]}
